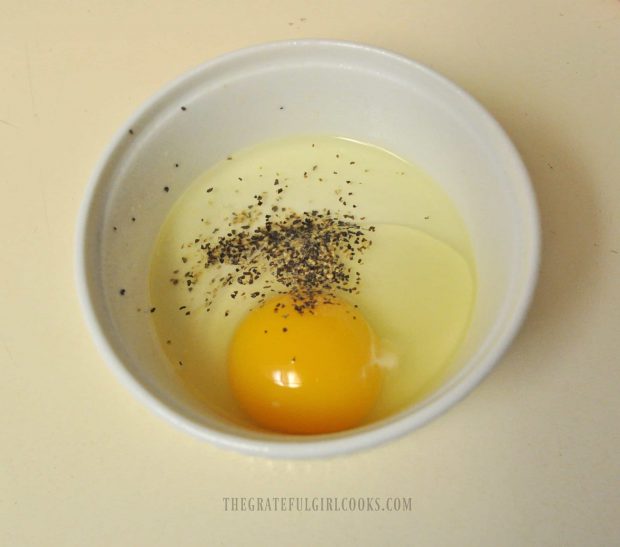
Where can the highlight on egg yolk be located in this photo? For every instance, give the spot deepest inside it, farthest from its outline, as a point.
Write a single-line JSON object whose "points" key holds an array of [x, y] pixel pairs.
{"points": [[304, 373]]}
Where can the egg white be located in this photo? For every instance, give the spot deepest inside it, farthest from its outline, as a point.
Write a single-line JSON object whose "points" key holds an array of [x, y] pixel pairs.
{"points": [[418, 282]]}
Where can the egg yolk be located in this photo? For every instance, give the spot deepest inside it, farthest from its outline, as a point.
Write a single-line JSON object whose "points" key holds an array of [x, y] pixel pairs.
{"points": [[304, 373]]}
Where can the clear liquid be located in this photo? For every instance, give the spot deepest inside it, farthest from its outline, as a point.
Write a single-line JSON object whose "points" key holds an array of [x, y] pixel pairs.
{"points": [[417, 280]]}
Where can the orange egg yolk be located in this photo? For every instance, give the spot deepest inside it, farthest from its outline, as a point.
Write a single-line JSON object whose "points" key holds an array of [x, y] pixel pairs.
{"points": [[304, 373]]}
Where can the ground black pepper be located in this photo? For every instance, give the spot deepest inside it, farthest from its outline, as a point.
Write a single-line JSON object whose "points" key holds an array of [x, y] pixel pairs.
{"points": [[309, 255]]}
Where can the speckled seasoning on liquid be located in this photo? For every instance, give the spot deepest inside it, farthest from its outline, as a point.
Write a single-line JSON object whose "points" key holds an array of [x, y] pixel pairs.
{"points": [[313, 217]]}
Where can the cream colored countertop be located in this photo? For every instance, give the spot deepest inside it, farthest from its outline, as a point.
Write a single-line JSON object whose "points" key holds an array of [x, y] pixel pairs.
{"points": [[529, 458]]}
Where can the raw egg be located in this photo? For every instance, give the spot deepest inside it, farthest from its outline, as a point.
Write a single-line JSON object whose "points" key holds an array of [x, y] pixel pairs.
{"points": [[305, 372], [325, 215]]}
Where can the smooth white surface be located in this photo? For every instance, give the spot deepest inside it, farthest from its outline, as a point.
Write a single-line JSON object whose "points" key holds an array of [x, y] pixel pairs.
{"points": [[312, 87]]}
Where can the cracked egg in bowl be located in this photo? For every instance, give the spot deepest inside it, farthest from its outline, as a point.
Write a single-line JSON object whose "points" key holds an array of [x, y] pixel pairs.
{"points": [[306, 248]]}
